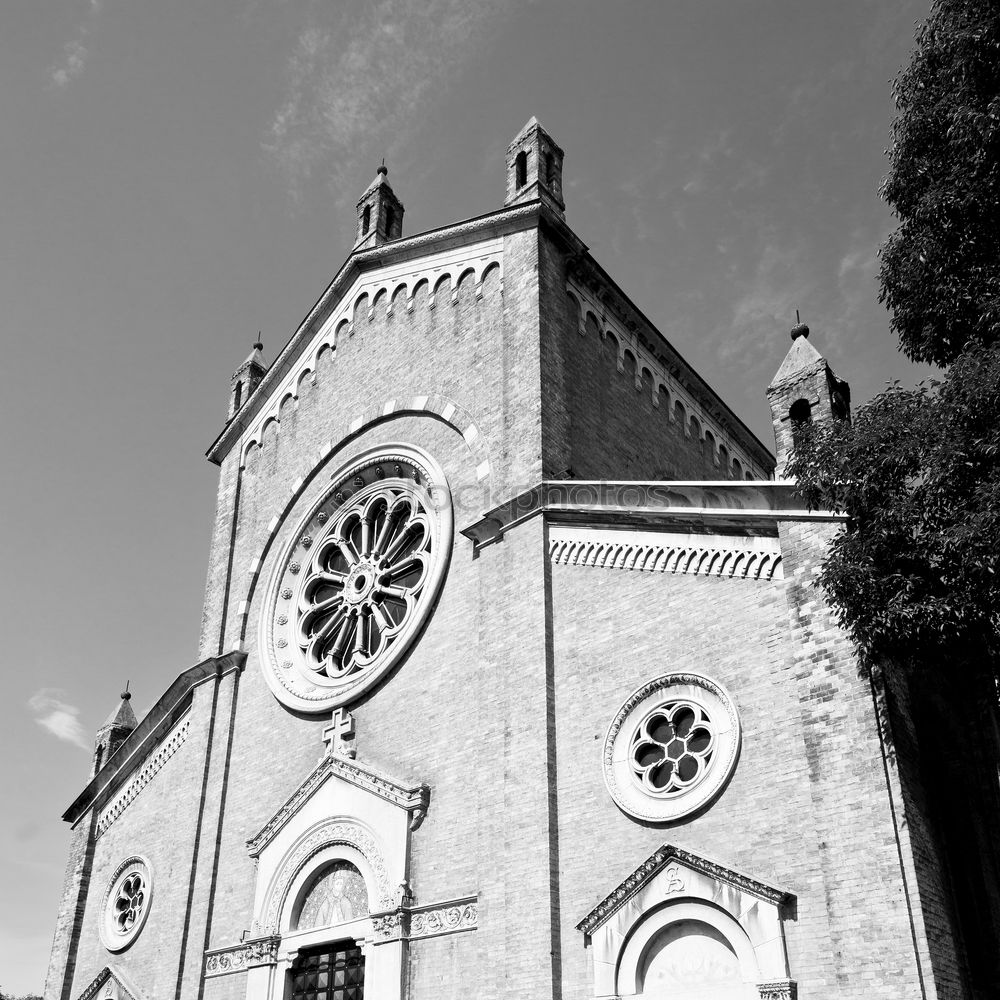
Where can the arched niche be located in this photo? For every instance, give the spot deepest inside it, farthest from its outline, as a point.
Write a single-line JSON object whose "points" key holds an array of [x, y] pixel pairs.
{"points": [[688, 951], [685, 927]]}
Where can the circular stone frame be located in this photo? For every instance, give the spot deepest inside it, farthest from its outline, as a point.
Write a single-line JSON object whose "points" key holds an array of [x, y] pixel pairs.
{"points": [[398, 474], [111, 937], [628, 792]]}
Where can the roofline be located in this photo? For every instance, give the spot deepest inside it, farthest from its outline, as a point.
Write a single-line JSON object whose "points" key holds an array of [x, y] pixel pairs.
{"points": [[155, 724], [500, 223], [689, 370]]}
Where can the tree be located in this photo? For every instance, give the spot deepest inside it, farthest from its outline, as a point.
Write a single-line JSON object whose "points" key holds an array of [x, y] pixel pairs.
{"points": [[940, 270], [915, 574], [916, 473]]}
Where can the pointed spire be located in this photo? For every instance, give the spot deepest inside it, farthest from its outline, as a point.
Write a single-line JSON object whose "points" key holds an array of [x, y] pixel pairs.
{"points": [[117, 728], [123, 717]]}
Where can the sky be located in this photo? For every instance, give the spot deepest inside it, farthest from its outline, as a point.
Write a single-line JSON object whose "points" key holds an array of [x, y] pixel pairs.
{"points": [[177, 176]]}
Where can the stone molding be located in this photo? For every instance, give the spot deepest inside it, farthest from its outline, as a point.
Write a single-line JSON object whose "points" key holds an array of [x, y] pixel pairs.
{"points": [[413, 798], [740, 443], [328, 834], [661, 859], [745, 558], [144, 776], [124, 990], [738, 508], [408, 923], [242, 956], [781, 989], [445, 918]]}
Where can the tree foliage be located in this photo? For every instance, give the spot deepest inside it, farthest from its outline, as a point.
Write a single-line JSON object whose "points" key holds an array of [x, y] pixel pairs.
{"points": [[940, 270], [915, 575]]}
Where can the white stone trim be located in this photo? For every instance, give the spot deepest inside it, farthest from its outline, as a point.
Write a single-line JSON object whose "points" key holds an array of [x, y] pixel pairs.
{"points": [[413, 798], [120, 988], [170, 745], [676, 884], [745, 557], [242, 956], [691, 689], [444, 918]]}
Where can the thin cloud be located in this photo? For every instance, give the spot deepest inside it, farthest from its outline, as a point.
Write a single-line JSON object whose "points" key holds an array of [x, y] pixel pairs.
{"points": [[75, 52], [356, 80], [58, 716]]}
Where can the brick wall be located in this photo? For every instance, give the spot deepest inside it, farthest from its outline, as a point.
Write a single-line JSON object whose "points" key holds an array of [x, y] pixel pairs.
{"points": [[597, 422], [807, 805]]}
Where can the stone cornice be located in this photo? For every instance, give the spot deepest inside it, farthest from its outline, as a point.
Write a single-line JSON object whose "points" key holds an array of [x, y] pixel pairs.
{"points": [[152, 729], [413, 798], [754, 507], [659, 860], [502, 223]]}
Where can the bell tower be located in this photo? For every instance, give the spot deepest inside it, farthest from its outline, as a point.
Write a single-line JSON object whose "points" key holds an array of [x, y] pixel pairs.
{"points": [[804, 390], [247, 377], [380, 213], [534, 168], [116, 730]]}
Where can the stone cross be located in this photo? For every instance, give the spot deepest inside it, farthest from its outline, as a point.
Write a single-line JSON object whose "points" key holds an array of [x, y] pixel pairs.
{"points": [[338, 735]]}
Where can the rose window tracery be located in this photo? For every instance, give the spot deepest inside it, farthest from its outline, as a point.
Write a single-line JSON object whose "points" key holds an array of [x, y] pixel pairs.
{"points": [[672, 748], [357, 581], [127, 901], [363, 583]]}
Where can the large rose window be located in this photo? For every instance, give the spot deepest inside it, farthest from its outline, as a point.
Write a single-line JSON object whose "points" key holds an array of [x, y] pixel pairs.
{"points": [[356, 582]]}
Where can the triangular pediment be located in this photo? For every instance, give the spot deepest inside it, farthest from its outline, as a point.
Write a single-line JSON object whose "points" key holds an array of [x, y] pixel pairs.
{"points": [[111, 984], [412, 798], [673, 870]]}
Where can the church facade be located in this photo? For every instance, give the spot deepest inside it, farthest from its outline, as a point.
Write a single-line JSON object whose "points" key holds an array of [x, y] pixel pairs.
{"points": [[513, 680]]}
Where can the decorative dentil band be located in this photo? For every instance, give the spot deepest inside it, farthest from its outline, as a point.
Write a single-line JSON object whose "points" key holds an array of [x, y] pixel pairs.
{"points": [[711, 557], [781, 989], [145, 775]]}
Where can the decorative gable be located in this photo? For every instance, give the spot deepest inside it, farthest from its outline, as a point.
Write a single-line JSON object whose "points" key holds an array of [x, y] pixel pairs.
{"points": [[411, 798], [110, 984], [623, 928]]}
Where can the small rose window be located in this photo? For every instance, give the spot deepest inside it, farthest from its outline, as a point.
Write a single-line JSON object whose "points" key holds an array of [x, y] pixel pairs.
{"points": [[672, 748], [126, 903], [129, 902]]}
